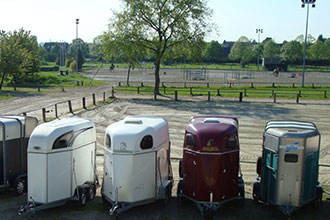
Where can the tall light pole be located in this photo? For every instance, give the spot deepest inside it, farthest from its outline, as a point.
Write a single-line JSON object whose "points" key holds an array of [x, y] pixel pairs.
{"points": [[304, 2], [77, 22], [258, 31]]}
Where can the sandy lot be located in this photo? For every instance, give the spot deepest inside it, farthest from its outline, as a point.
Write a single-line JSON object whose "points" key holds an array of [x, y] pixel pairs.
{"points": [[252, 117]]}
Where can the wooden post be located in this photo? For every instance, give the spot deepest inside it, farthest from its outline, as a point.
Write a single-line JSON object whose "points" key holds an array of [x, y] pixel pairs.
{"points": [[218, 92], [44, 114], [191, 93], [70, 106], [208, 96], [138, 90], [24, 113], [155, 96], [38, 88], [62, 88], [274, 97], [185, 85], [240, 96], [142, 84], [297, 100], [15, 87], [207, 85], [119, 84], [78, 83], [293, 85], [313, 85], [325, 94], [273, 92], [273, 85], [84, 102], [94, 99], [245, 92], [113, 92], [299, 93], [251, 85], [163, 84], [82, 83], [176, 95], [56, 114], [103, 96]]}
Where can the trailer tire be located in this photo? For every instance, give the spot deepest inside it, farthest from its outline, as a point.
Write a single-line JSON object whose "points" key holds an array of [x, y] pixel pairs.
{"points": [[20, 186], [82, 195], [180, 168], [91, 192]]}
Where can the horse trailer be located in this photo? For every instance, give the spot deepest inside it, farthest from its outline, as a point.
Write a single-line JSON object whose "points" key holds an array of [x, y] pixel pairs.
{"points": [[14, 136], [137, 167], [61, 164], [288, 169], [210, 171]]}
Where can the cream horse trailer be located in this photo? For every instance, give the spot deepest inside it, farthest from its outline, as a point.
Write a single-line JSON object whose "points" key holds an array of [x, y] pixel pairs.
{"points": [[61, 164], [14, 136], [137, 168]]}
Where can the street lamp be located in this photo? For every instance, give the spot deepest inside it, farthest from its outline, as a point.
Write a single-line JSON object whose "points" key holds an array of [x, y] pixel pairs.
{"points": [[304, 2], [258, 31], [77, 22]]}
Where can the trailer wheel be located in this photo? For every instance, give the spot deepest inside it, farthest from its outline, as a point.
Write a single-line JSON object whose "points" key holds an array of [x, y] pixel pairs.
{"points": [[82, 196], [20, 186], [91, 192], [180, 168]]}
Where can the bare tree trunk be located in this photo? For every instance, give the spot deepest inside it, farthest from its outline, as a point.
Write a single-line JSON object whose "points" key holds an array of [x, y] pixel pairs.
{"points": [[2, 80], [157, 79], [128, 73]]}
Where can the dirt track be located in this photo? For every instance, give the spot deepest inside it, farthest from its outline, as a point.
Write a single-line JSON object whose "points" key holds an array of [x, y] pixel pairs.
{"points": [[252, 117]]}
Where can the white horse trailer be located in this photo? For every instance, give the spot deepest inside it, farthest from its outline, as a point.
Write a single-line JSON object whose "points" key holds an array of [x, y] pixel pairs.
{"points": [[14, 135], [137, 167], [61, 164]]}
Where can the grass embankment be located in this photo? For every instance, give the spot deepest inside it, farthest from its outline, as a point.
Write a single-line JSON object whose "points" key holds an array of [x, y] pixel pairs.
{"points": [[307, 92], [47, 82]]}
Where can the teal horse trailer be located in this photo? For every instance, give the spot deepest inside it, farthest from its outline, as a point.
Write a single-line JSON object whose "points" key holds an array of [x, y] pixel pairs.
{"points": [[288, 169]]}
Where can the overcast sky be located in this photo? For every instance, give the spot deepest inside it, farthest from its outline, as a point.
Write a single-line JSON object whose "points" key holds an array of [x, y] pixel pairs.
{"points": [[55, 20]]}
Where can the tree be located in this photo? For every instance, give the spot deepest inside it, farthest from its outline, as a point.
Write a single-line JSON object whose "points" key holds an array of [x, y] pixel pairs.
{"points": [[317, 51], [242, 50], [271, 49], [214, 52], [159, 25], [118, 47], [95, 50], [19, 56], [292, 52]]}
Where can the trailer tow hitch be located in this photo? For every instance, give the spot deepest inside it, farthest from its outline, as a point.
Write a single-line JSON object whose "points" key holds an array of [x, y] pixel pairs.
{"points": [[113, 210]]}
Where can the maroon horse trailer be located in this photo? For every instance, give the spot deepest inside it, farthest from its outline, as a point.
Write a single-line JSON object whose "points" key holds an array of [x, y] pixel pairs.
{"points": [[209, 172]]}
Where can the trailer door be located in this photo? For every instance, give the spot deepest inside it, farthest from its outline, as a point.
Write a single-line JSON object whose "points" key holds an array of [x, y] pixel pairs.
{"points": [[269, 176], [59, 167]]}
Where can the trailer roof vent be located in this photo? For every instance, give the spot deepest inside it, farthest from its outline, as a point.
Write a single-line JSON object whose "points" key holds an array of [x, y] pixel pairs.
{"points": [[133, 121], [211, 120]]}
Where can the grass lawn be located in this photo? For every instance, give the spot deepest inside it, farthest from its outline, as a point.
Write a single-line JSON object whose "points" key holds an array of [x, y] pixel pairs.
{"points": [[256, 92]]}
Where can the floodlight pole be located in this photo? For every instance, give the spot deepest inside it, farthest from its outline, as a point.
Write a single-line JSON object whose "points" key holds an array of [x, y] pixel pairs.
{"points": [[305, 45], [77, 22], [258, 31]]}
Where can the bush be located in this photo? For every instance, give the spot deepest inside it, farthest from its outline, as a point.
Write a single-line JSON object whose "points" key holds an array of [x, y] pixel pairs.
{"points": [[73, 66]]}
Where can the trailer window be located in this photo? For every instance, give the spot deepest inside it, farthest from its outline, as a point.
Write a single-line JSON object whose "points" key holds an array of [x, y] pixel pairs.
{"points": [[232, 141], [190, 140], [63, 141], [108, 141], [146, 142], [291, 158]]}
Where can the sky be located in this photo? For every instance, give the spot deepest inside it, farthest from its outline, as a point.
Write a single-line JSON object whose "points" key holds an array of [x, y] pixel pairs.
{"points": [[56, 20]]}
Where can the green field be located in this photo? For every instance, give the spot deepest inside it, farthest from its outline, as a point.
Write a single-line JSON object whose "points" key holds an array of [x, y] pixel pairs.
{"points": [[256, 92]]}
